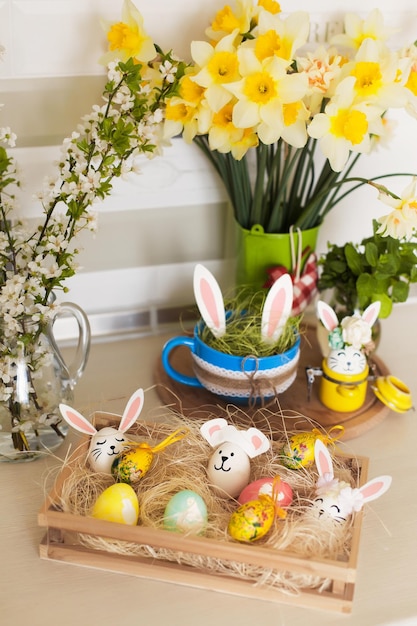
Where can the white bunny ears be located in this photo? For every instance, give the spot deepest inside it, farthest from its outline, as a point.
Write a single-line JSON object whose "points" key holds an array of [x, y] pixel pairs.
{"points": [[330, 321], [131, 413], [107, 442], [276, 310], [218, 431], [337, 498]]}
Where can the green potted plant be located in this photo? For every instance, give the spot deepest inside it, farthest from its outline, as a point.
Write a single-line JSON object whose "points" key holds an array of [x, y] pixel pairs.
{"points": [[380, 267]]}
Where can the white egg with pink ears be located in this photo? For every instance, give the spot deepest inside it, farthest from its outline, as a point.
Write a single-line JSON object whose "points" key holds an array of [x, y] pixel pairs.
{"points": [[229, 468]]}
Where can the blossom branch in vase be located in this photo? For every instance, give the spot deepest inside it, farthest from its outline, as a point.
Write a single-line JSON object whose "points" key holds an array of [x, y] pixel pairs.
{"points": [[35, 263]]}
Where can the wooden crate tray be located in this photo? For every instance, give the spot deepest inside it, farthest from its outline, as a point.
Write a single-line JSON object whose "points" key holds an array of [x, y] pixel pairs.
{"points": [[61, 543]]}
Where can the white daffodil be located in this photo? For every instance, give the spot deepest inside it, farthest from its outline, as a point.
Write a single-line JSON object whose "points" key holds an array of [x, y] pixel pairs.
{"points": [[410, 53], [280, 37], [358, 29], [227, 20], [345, 126], [377, 72], [262, 94], [224, 137], [128, 39], [401, 222], [323, 69], [219, 66]]}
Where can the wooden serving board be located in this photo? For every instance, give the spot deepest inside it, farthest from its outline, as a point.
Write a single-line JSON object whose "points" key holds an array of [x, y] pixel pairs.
{"points": [[292, 410]]}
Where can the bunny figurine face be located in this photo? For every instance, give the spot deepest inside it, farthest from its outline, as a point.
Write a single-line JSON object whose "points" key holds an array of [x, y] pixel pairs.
{"points": [[337, 500], [107, 443], [347, 360], [228, 468]]}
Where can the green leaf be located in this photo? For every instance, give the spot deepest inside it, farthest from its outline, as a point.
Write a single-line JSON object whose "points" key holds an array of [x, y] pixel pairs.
{"points": [[400, 291], [353, 259], [388, 265], [371, 253], [386, 304]]}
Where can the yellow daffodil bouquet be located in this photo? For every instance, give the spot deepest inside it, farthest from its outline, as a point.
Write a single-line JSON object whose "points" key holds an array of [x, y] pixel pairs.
{"points": [[283, 123]]}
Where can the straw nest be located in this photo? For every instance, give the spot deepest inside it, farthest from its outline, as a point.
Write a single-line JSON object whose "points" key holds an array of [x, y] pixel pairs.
{"points": [[182, 465]]}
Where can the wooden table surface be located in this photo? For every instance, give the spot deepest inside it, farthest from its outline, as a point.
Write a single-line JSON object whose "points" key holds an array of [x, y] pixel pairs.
{"points": [[42, 593]]}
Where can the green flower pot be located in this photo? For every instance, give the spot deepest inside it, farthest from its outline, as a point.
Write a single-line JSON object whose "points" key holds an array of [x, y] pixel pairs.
{"points": [[258, 251]]}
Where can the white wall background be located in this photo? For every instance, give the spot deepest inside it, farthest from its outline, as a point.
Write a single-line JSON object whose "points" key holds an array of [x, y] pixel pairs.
{"points": [[156, 226]]}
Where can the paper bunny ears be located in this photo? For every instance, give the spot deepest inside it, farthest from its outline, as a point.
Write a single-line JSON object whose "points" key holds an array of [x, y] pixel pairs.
{"points": [[218, 431], [336, 499], [276, 310]]}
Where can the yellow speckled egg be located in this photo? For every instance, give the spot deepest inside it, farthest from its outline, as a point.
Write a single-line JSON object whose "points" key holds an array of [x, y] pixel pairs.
{"points": [[299, 451], [252, 520], [118, 503], [132, 464]]}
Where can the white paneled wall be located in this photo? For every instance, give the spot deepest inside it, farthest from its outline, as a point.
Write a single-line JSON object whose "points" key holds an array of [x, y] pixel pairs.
{"points": [[155, 226]]}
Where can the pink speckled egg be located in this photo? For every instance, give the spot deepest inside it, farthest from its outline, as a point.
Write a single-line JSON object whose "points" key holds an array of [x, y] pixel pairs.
{"points": [[264, 486]]}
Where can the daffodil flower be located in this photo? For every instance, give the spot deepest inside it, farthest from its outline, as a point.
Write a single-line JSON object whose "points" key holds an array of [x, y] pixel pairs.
{"points": [[128, 39], [345, 126], [189, 112], [357, 30], [263, 92], [376, 71], [280, 37], [224, 137], [227, 20], [323, 69], [401, 223], [219, 66], [410, 53]]}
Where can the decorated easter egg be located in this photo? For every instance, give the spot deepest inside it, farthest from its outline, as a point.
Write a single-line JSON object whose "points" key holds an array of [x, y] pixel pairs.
{"points": [[118, 503], [132, 464], [264, 486], [252, 520], [186, 512], [299, 450], [228, 469]]}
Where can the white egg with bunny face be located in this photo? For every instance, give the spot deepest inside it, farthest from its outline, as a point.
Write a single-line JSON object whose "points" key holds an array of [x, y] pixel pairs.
{"points": [[107, 443], [335, 499], [228, 468]]}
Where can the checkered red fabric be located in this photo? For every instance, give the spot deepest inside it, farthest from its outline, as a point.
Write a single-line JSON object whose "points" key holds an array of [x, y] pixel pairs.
{"points": [[304, 287]]}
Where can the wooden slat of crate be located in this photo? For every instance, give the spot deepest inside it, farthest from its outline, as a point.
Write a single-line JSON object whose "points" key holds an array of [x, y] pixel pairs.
{"points": [[339, 600], [59, 545]]}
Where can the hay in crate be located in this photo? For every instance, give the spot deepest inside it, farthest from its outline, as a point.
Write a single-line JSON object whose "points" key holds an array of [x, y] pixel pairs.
{"points": [[183, 466]]}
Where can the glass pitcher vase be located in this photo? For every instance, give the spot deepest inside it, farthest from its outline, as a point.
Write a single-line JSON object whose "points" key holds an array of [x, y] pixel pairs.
{"points": [[34, 380]]}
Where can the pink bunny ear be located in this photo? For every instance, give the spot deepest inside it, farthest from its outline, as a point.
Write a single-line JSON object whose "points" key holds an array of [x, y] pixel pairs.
{"points": [[256, 442], [209, 300], [132, 411], [375, 488], [76, 420], [323, 459], [371, 313], [210, 429], [326, 314], [277, 309]]}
